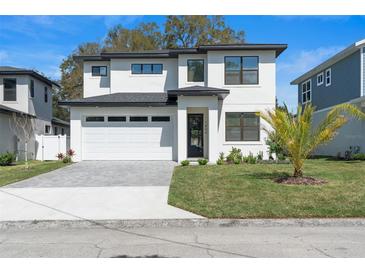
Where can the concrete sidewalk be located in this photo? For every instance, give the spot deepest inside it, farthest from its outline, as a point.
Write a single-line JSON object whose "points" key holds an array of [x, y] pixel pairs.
{"points": [[88, 203]]}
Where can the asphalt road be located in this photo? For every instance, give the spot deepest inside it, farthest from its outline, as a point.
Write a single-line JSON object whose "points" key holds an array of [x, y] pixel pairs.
{"points": [[292, 241]]}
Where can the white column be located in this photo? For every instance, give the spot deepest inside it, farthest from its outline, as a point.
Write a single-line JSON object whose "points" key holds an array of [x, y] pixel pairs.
{"points": [[75, 132], [213, 134], [181, 133]]}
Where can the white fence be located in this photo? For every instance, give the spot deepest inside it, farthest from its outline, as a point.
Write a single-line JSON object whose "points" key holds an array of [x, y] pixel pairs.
{"points": [[48, 146]]}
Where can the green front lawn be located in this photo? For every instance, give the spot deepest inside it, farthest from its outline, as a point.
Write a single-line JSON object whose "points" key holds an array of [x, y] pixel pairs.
{"points": [[18, 172], [247, 191]]}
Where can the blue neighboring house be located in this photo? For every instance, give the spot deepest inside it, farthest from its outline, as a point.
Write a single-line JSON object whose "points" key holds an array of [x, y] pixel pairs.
{"points": [[340, 79]]}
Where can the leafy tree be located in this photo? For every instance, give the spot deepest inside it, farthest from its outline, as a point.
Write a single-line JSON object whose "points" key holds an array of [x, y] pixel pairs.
{"points": [[296, 135], [146, 36], [58, 111], [193, 30], [71, 71]]}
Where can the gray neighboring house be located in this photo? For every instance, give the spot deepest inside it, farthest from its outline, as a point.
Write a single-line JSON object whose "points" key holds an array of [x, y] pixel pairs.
{"points": [[24, 91], [340, 79]]}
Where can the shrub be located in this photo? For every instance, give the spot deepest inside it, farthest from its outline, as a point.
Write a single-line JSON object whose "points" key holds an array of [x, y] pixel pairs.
{"points": [[359, 156], [250, 159], [7, 158], [70, 152], [185, 163], [234, 155], [67, 159], [274, 147], [202, 162], [237, 161], [220, 160], [60, 156], [260, 156]]}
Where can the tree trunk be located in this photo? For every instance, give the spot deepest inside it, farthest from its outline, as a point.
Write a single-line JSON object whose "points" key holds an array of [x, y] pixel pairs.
{"points": [[298, 172]]}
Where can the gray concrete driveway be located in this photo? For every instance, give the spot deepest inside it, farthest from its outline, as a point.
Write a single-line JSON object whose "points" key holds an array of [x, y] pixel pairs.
{"points": [[105, 173], [94, 191]]}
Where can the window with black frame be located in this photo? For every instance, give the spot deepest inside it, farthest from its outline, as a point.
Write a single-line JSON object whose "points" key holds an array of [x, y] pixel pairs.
{"points": [[99, 71], [241, 70], [195, 70], [147, 68], [242, 126], [9, 89]]}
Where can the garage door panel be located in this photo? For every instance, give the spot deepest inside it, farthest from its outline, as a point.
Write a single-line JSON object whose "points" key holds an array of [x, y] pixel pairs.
{"points": [[128, 141]]}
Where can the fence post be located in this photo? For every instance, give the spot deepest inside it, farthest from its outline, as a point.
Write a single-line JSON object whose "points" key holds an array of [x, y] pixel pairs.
{"points": [[42, 149]]}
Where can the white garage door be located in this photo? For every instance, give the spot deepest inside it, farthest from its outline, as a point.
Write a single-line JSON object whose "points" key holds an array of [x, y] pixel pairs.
{"points": [[126, 138]]}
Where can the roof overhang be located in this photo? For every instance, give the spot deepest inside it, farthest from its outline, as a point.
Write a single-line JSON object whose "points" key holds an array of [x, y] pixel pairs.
{"points": [[31, 73], [199, 91], [334, 59], [174, 53]]}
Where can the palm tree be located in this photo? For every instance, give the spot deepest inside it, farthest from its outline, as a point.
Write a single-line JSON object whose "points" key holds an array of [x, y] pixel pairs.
{"points": [[296, 135]]}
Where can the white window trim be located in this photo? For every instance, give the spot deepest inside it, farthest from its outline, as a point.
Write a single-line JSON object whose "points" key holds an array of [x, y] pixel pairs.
{"points": [[318, 75], [330, 77], [308, 91]]}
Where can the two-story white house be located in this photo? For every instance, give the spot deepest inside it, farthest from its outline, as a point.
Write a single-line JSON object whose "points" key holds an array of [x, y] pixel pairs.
{"points": [[27, 92], [174, 104]]}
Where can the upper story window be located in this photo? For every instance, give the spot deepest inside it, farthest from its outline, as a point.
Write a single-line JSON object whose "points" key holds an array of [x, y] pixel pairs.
{"points": [[241, 70], [99, 71], [306, 91], [147, 68], [243, 126], [196, 70], [320, 78], [45, 94], [32, 88], [9, 89], [328, 77]]}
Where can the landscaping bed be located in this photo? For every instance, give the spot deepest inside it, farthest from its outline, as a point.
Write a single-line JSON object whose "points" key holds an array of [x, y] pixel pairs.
{"points": [[18, 172], [250, 190]]}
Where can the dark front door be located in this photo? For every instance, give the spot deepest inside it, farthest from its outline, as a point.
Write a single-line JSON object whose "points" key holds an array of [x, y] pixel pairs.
{"points": [[195, 135]]}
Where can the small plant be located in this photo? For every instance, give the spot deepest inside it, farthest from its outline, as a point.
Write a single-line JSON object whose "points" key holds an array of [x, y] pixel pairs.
{"points": [[237, 161], [185, 163], [7, 158], [234, 155], [202, 162], [70, 152], [60, 156], [251, 159], [67, 159], [260, 156], [220, 160]]}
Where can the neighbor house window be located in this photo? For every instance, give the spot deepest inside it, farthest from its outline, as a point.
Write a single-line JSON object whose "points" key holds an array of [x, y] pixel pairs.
{"points": [[9, 89], [242, 126], [32, 88], [45, 94], [138, 119], [328, 77], [147, 68], [195, 70], [47, 129], [320, 79], [160, 119], [99, 71], [241, 70], [116, 119], [55, 130], [307, 91], [95, 119], [62, 131]]}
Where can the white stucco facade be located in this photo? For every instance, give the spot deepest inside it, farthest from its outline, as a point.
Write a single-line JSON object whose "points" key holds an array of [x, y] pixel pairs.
{"points": [[241, 98]]}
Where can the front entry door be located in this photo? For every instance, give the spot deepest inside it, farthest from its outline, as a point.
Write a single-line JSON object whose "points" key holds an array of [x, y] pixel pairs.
{"points": [[195, 135]]}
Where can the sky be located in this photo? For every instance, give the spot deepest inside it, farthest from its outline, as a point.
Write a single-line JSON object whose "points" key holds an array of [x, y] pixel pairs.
{"points": [[42, 42]]}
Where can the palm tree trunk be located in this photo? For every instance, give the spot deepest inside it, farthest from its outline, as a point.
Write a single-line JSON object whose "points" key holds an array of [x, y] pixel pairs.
{"points": [[298, 172]]}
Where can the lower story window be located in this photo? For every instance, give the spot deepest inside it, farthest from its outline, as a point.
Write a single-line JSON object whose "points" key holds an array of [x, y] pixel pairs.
{"points": [[242, 126], [160, 119], [62, 131], [138, 119], [55, 130], [95, 119]]}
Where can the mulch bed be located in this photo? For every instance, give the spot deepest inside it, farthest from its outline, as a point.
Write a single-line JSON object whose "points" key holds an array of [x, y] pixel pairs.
{"points": [[300, 181]]}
